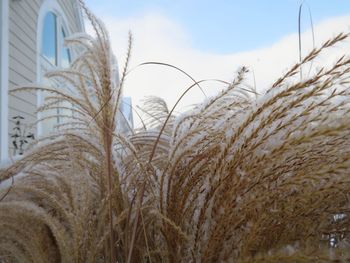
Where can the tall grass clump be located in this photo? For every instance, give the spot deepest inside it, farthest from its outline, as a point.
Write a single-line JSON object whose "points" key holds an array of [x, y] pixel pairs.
{"points": [[240, 178]]}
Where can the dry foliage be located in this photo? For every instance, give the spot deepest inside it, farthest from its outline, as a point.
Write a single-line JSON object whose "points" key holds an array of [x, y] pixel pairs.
{"points": [[238, 179]]}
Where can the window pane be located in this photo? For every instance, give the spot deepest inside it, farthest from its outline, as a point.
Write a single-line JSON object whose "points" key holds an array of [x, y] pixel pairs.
{"points": [[65, 52], [49, 44]]}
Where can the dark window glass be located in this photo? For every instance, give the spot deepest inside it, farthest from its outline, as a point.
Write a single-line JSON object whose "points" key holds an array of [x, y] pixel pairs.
{"points": [[49, 44], [65, 52]]}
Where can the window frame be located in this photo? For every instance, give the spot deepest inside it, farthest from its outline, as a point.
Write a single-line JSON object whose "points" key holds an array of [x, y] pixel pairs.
{"points": [[43, 64]]}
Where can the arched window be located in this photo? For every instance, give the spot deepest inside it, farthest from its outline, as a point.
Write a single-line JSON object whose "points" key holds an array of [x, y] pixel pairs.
{"points": [[65, 53], [52, 46], [49, 39], [52, 54]]}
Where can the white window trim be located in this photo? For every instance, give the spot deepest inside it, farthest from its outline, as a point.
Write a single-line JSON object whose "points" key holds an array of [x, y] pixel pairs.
{"points": [[47, 6], [4, 76]]}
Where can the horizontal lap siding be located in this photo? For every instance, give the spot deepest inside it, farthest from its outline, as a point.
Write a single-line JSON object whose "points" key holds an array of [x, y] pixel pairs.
{"points": [[22, 61], [23, 17], [69, 8]]}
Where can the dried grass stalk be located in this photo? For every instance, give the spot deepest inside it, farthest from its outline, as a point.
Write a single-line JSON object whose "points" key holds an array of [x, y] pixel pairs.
{"points": [[240, 178]]}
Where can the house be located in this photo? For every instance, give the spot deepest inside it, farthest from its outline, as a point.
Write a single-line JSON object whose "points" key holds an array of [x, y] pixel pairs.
{"points": [[32, 36]]}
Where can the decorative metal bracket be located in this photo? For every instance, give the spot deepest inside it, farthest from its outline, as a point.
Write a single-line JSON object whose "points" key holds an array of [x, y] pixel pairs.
{"points": [[20, 137]]}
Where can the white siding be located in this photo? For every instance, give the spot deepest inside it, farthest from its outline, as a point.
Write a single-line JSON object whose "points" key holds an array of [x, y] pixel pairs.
{"points": [[23, 22], [69, 9], [22, 60]]}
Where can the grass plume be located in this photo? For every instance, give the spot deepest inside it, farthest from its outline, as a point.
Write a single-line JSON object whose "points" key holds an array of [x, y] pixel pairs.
{"points": [[242, 177]]}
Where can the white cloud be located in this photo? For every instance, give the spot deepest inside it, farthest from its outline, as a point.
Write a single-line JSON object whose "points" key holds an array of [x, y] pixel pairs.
{"points": [[156, 38]]}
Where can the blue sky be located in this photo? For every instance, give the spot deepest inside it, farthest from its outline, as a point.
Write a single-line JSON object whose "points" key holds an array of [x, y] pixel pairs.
{"points": [[212, 39], [227, 26]]}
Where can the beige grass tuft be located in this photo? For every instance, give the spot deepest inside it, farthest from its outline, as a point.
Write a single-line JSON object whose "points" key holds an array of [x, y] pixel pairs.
{"points": [[240, 178]]}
